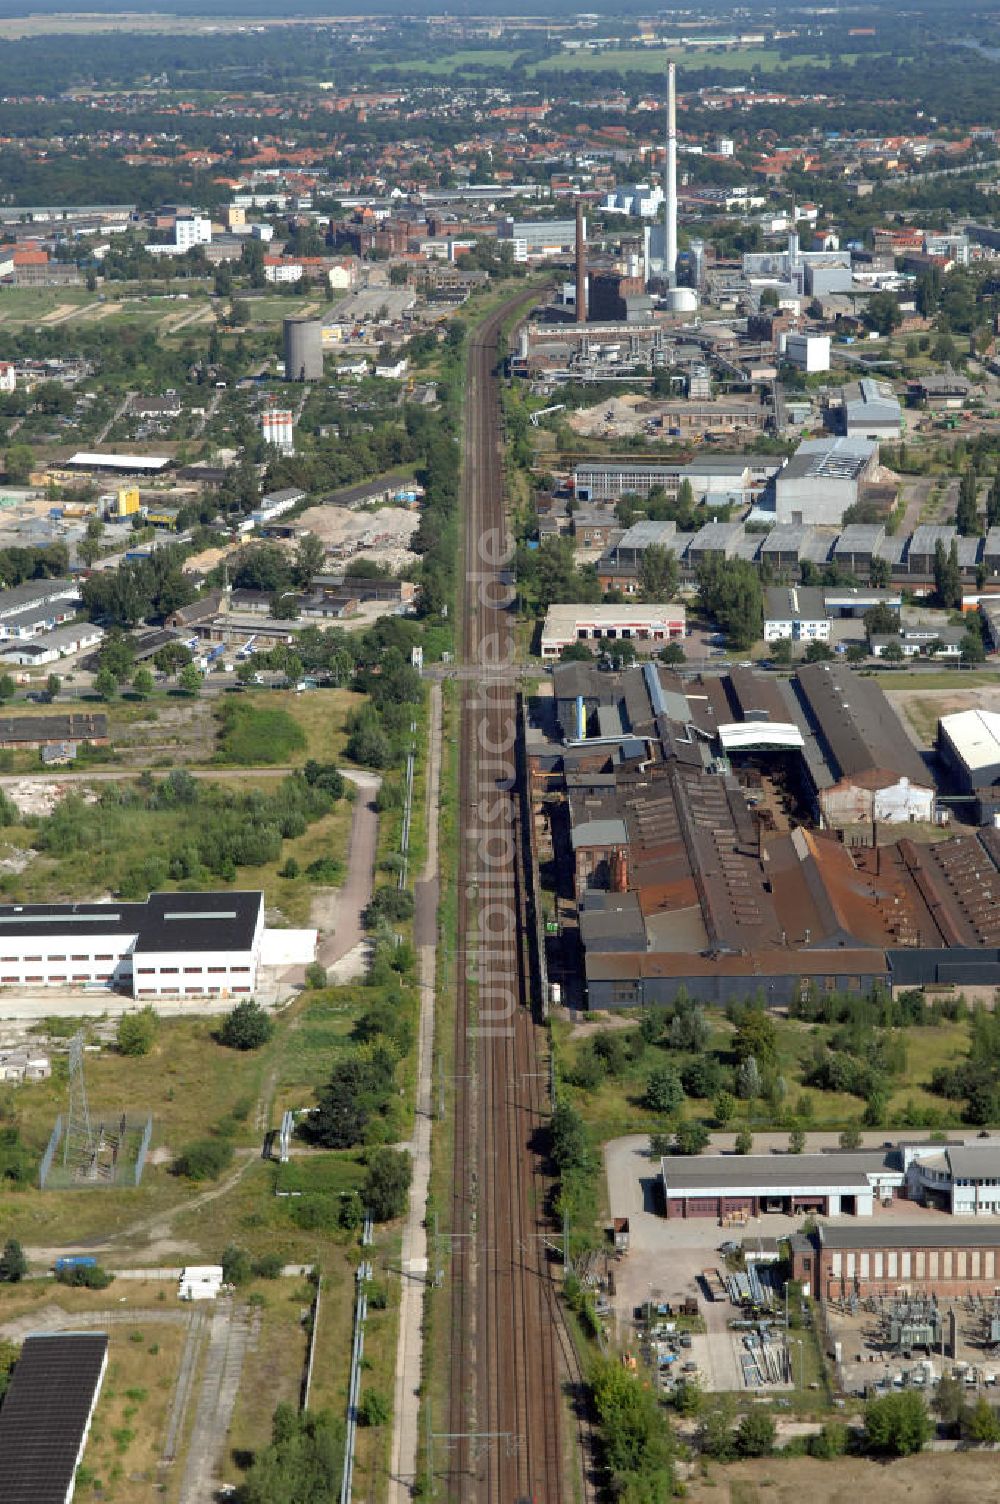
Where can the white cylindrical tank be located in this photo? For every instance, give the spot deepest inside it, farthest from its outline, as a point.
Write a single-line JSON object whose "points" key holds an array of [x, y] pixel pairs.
{"points": [[681, 299]]}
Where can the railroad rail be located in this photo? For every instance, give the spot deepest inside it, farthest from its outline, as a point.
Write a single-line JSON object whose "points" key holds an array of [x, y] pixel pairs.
{"points": [[505, 1419]]}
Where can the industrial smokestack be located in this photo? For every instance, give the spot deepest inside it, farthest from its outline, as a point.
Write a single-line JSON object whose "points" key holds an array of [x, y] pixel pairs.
{"points": [[581, 265], [670, 229]]}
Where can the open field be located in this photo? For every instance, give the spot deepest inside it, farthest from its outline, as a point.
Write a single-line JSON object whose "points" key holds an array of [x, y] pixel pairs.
{"points": [[441, 67], [924, 710], [925, 1479], [651, 60]]}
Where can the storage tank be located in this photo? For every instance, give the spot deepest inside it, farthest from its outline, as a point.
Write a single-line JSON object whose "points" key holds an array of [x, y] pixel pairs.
{"points": [[681, 299], [697, 251], [303, 349]]}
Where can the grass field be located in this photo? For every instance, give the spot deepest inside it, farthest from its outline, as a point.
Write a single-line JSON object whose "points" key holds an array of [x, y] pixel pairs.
{"points": [[441, 67], [652, 59]]}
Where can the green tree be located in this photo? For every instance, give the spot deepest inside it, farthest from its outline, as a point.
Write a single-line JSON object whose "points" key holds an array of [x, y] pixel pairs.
{"points": [[993, 503], [730, 592], [723, 1108], [796, 1141], [570, 1148], [658, 573], [237, 1265], [967, 514], [374, 1409], [8, 689], [387, 1184], [781, 650], [897, 1425], [857, 652], [246, 1027], [142, 683], [982, 1425], [189, 679], [818, 652], [850, 1138], [673, 654], [13, 1263], [53, 685], [105, 684], [744, 1141], [893, 652], [755, 1434], [136, 1033], [947, 575], [19, 462], [973, 650], [756, 1035], [303, 1463], [691, 1137], [664, 1092]]}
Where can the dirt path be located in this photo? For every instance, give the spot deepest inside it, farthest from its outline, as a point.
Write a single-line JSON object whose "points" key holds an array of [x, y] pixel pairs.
{"points": [[413, 1258], [337, 912]]}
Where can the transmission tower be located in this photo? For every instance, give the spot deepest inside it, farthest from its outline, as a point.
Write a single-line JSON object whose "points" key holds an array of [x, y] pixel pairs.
{"points": [[79, 1135]]}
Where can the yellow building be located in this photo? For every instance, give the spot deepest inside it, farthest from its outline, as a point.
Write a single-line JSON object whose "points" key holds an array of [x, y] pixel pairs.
{"points": [[128, 501]]}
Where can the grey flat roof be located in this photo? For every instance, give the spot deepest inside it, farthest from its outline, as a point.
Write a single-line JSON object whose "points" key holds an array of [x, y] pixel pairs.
{"points": [[687, 1174], [859, 537], [794, 602], [599, 833], [974, 1161], [930, 1234]]}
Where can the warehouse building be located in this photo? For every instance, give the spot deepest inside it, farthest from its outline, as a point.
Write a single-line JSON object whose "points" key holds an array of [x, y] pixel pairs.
{"points": [[827, 1184], [962, 1179], [871, 411], [47, 1413], [969, 745]]}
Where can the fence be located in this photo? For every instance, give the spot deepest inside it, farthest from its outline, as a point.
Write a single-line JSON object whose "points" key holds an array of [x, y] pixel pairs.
{"points": [[311, 1353]]}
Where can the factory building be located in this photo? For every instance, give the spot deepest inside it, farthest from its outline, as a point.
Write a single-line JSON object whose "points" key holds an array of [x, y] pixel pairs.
{"points": [[703, 895], [808, 352], [536, 239], [862, 766], [823, 479], [932, 1258]]}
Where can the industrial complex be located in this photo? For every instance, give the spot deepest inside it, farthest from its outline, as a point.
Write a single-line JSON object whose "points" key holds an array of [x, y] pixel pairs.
{"points": [[733, 835]]}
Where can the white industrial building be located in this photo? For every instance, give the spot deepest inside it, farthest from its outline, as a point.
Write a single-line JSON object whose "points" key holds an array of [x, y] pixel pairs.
{"points": [[534, 239], [49, 647], [795, 614], [823, 479], [173, 945], [808, 352], [647, 627]]}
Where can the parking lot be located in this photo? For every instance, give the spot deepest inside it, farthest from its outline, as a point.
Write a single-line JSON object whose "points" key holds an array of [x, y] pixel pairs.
{"points": [[666, 1259]]}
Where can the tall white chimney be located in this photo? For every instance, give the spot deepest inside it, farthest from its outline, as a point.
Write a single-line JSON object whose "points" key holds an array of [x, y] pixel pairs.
{"points": [[670, 230]]}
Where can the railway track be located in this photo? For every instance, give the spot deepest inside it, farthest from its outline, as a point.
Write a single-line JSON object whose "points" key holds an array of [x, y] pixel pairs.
{"points": [[508, 1352]]}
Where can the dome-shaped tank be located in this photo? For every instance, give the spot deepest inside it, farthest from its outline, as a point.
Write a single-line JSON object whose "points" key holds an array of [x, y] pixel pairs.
{"points": [[681, 299]]}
